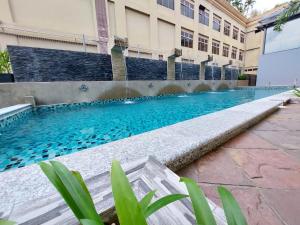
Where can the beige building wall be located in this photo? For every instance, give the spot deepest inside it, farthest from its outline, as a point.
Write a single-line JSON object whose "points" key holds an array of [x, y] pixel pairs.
{"points": [[49, 24], [156, 30], [153, 31]]}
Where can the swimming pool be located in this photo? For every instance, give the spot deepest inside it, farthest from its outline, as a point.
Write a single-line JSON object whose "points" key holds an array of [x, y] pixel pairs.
{"points": [[53, 131]]}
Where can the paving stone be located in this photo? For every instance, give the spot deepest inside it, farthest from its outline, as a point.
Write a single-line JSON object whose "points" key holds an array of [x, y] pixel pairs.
{"points": [[249, 141], [285, 203], [190, 171], [251, 201], [295, 154], [269, 126], [219, 168], [284, 139], [268, 168]]}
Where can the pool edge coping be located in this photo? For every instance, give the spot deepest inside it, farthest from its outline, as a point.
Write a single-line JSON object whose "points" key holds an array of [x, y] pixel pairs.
{"points": [[181, 140]]}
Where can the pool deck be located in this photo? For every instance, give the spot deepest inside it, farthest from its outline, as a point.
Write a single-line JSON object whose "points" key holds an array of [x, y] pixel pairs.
{"points": [[261, 167], [176, 146]]}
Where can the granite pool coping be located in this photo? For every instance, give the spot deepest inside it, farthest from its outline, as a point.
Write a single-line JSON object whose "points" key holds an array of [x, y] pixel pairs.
{"points": [[176, 146], [9, 111]]}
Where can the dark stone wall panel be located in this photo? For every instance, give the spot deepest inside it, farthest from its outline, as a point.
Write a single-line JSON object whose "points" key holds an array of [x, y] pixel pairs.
{"points": [[187, 71], [146, 69], [212, 73], [231, 74], [43, 65]]}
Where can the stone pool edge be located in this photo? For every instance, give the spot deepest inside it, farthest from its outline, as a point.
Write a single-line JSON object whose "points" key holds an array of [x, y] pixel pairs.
{"points": [[176, 146]]}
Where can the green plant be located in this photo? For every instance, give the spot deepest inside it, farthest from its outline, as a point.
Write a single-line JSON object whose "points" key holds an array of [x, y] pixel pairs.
{"points": [[203, 213], [5, 66], [297, 92], [6, 222], [129, 210], [242, 5], [242, 77], [292, 9]]}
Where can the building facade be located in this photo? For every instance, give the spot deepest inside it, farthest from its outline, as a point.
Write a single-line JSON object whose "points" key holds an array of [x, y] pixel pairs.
{"points": [[279, 62], [154, 28]]}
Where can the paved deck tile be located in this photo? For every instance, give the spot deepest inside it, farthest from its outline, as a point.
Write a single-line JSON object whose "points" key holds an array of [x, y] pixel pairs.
{"points": [[261, 167]]}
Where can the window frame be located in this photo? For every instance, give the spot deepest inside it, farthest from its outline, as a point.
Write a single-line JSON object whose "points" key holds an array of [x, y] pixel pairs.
{"points": [[227, 28], [235, 33], [215, 19], [242, 37], [187, 8], [234, 52], [241, 55], [203, 45], [203, 16], [166, 3], [187, 38], [215, 47], [227, 51]]}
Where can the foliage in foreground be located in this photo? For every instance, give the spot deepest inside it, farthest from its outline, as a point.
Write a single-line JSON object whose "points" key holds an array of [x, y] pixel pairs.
{"points": [[6, 222], [291, 10], [129, 210], [297, 92], [5, 66]]}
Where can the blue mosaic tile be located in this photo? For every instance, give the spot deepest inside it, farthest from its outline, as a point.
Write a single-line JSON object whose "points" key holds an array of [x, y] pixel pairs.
{"points": [[51, 131]]}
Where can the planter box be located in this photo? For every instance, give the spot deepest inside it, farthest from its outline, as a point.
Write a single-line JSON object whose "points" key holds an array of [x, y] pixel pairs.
{"points": [[243, 83], [7, 78]]}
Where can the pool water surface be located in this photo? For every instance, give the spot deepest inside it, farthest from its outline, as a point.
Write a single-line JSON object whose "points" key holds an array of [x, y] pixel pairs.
{"points": [[46, 134]]}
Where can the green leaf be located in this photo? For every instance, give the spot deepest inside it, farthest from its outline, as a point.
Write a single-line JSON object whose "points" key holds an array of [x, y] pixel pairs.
{"points": [[6, 222], [201, 208], [127, 206], [146, 200], [89, 222], [160, 203], [74, 187], [232, 209], [57, 183], [81, 181]]}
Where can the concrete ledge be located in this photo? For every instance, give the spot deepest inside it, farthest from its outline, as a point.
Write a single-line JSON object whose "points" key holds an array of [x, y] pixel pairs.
{"points": [[175, 146], [11, 110]]}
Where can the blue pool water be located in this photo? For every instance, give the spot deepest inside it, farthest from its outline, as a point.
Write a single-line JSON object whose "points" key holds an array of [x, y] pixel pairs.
{"points": [[45, 134]]}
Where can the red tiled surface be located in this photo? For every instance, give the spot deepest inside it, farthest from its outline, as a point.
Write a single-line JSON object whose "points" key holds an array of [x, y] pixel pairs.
{"points": [[261, 167]]}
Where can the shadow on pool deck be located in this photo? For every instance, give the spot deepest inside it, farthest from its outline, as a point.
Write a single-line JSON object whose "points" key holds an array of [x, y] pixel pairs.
{"points": [[261, 167]]}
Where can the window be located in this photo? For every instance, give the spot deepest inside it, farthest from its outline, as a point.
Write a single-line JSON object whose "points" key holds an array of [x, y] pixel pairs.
{"points": [[167, 3], [227, 27], [203, 43], [242, 37], [186, 38], [215, 47], [225, 50], [235, 33], [217, 23], [241, 55], [203, 15], [187, 8], [233, 53]]}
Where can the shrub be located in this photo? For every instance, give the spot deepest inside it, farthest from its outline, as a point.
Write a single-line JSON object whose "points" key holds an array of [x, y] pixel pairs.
{"points": [[242, 77], [129, 210], [5, 66]]}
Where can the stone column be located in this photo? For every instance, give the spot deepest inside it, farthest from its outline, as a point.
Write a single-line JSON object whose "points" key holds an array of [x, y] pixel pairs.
{"points": [[102, 25], [171, 68], [223, 69], [171, 64], [118, 60], [202, 67]]}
